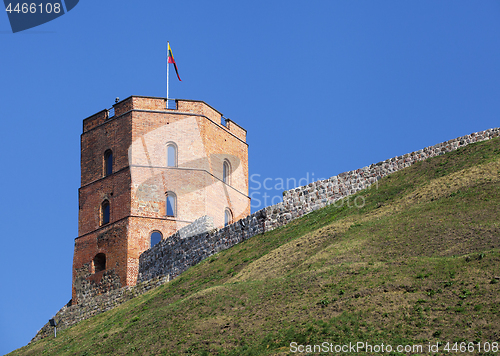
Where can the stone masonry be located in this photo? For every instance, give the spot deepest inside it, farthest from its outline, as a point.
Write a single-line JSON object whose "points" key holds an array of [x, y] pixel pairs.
{"points": [[72, 314], [174, 255], [199, 226]]}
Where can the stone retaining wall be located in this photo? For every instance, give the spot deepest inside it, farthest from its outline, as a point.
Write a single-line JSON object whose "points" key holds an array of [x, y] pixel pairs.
{"points": [[199, 226], [72, 314], [175, 254]]}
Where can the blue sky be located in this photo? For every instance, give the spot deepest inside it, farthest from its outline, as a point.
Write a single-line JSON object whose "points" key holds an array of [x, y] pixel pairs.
{"points": [[322, 87]]}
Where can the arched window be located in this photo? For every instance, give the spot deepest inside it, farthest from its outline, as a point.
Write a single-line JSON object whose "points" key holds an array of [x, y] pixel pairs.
{"points": [[155, 238], [105, 212], [171, 204], [99, 262], [171, 154], [108, 163], [228, 217], [226, 171]]}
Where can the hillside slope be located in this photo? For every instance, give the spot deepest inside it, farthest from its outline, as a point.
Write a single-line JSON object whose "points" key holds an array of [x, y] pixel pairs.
{"points": [[415, 261]]}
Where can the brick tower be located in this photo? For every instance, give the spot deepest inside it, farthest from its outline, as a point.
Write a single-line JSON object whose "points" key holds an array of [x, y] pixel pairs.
{"points": [[149, 171]]}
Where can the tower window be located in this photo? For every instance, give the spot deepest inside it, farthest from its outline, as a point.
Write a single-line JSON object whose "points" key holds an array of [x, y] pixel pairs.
{"points": [[226, 171], [171, 204], [171, 154], [108, 163], [228, 217], [105, 212], [99, 262], [156, 237]]}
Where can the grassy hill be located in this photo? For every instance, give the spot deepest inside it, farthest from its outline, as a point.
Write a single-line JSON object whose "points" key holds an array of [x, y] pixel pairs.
{"points": [[417, 263]]}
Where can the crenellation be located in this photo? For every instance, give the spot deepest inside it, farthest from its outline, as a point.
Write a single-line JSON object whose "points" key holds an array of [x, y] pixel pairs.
{"points": [[95, 120]]}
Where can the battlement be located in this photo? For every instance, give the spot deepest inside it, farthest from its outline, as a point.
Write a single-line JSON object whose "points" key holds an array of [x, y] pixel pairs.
{"points": [[156, 104]]}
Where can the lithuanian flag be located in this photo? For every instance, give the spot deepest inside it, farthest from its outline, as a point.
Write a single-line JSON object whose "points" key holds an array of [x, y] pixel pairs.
{"points": [[172, 60]]}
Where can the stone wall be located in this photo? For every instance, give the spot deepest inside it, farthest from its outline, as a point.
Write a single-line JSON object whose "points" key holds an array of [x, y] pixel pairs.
{"points": [[88, 284], [174, 255], [199, 226], [72, 314]]}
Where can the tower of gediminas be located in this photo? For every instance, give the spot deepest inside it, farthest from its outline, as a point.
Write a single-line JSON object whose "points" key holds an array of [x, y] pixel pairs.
{"points": [[146, 172]]}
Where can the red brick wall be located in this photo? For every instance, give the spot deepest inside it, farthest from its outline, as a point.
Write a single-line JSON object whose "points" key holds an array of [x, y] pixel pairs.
{"points": [[95, 120], [236, 129], [115, 189], [114, 134]]}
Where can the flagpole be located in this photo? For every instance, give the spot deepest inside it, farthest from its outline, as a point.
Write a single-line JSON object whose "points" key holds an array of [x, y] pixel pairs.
{"points": [[167, 74]]}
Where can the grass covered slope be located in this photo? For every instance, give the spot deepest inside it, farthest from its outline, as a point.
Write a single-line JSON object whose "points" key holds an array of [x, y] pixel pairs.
{"points": [[416, 261]]}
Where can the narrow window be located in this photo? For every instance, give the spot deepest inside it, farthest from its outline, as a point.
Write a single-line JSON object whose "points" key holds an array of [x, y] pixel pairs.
{"points": [[228, 217], [155, 238], [108, 163], [171, 155], [105, 212], [171, 204], [99, 262], [226, 172]]}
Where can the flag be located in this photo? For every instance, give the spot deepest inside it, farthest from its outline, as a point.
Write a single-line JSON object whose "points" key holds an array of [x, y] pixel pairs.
{"points": [[171, 60]]}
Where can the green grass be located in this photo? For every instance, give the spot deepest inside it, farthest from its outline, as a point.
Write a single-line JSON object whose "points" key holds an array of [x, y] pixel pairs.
{"points": [[416, 264]]}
